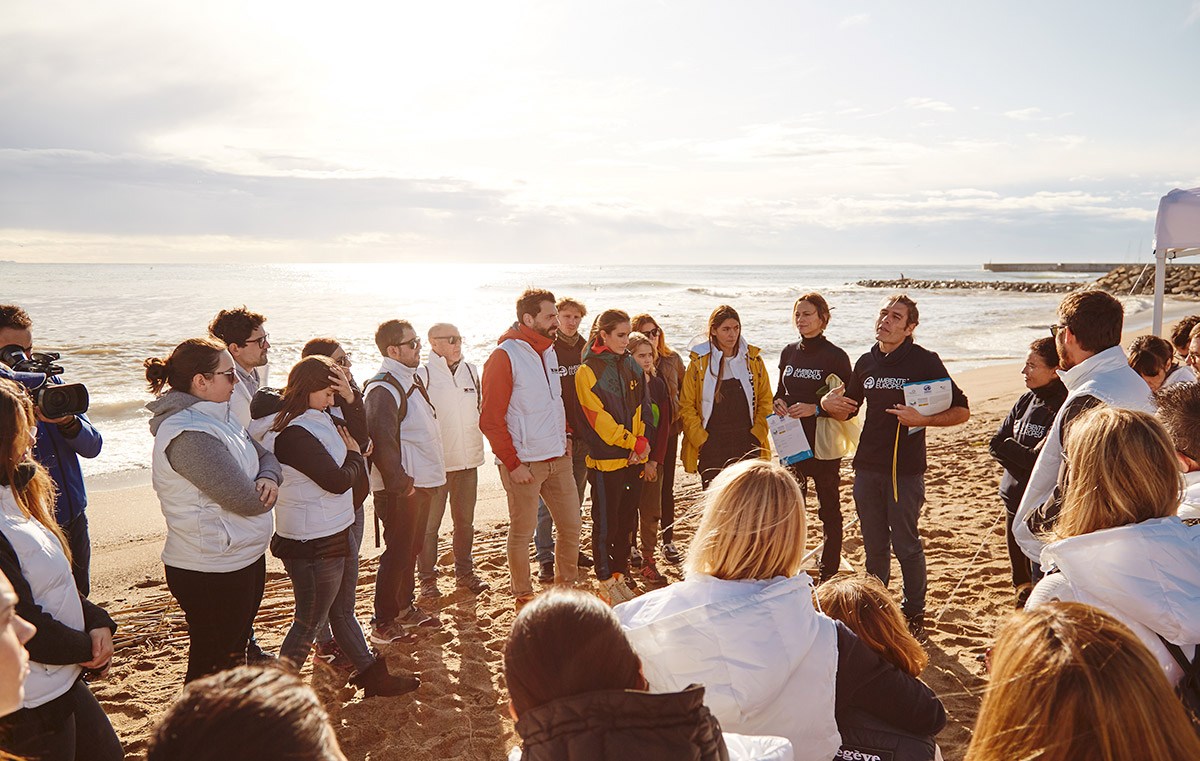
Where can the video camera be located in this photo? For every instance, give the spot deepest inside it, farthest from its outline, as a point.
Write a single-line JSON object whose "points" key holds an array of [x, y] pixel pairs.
{"points": [[54, 400]]}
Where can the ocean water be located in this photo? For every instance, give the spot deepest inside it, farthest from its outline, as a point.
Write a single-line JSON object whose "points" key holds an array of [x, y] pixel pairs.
{"points": [[106, 319]]}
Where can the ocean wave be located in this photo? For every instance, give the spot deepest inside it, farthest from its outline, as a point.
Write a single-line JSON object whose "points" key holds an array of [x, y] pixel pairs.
{"points": [[115, 409], [753, 293]]}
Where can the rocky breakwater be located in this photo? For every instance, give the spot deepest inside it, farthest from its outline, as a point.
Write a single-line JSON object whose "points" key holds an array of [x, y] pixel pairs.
{"points": [[973, 285], [1180, 281]]}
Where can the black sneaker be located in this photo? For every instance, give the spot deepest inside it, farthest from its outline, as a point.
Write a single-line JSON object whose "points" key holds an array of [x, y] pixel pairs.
{"points": [[584, 560], [916, 626], [635, 557], [255, 655], [671, 553], [546, 572]]}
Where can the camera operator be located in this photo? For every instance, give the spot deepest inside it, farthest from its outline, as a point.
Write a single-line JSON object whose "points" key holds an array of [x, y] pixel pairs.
{"points": [[60, 443]]}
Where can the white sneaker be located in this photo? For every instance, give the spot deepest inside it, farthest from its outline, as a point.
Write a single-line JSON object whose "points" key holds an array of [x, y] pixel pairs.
{"points": [[614, 590]]}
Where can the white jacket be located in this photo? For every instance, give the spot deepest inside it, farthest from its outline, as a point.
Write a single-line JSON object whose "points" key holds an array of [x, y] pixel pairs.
{"points": [[420, 436], [536, 418], [456, 397], [766, 657], [1189, 508], [1146, 574], [303, 509], [202, 535], [48, 572], [243, 393], [1106, 376]]}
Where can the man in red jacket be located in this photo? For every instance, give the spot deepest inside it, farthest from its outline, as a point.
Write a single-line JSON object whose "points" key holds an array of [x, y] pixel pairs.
{"points": [[524, 420]]}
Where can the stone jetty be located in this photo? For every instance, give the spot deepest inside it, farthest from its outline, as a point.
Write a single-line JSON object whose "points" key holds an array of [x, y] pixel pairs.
{"points": [[974, 285], [1182, 281]]}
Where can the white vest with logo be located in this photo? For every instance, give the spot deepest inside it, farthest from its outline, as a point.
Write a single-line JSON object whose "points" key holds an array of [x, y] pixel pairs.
{"points": [[456, 397], [304, 510], [202, 535], [536, 418], [420, 436]]}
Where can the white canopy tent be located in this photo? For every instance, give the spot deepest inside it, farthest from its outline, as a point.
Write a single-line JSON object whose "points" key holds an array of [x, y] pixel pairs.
{"points": [[1176, 233]]}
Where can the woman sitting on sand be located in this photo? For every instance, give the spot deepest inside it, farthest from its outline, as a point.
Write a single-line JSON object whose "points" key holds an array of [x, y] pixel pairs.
{"points": [[669, 367], [1071, 683], [56, 716], [615, 402], [805, 370], [578, 694], [725, 400], [217, 487], [861, 602], [314, 522], [1018, 441], [1121, 547], [743, 624], [245, 714]]}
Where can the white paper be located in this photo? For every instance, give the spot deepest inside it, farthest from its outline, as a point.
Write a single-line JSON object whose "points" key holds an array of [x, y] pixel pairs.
{"points": [[788, 436], [928, 397]]}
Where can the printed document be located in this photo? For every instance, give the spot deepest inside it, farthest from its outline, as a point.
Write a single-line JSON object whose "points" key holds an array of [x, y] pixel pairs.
{"points": [[789, 439], [928, 397]]}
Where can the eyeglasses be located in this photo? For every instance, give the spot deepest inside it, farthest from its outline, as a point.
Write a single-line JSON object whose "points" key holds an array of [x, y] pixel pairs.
{"points": [[652, 333], [452, 340], [1055, 328], [261, 341], [343, 360], [231, 374], [414, 342]]}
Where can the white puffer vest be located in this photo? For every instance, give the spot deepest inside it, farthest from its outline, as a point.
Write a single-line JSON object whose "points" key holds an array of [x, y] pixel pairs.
{"points": [[456, 397], [304, 510], [536, 418], [420, 436], [48, 573], [1106, 376], [202, 535]]}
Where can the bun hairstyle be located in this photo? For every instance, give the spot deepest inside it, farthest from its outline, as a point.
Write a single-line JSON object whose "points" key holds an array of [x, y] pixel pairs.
{"points": [[606, 321], [567, 643], [193, 356], [819, 303], [310, 375]]}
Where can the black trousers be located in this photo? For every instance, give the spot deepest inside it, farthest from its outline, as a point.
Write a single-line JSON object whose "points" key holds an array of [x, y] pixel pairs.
{"points": [[721, 451], [404, 520], [615, 495], [826, 478], [220, 610], [667, 519], [72, 727]]}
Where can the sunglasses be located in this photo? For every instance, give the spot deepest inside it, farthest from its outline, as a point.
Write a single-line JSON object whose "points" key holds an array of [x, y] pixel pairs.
{"points": [[261, 341], [452, 340], [652, 333], [1055, 328], [231, 374], [413, 342]]}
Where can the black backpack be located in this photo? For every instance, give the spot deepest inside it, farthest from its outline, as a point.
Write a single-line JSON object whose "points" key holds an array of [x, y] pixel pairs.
{"points": [[1188, 688]]}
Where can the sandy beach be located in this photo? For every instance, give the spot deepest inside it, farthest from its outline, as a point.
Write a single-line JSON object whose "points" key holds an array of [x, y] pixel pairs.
{"points": [[460, 710]]}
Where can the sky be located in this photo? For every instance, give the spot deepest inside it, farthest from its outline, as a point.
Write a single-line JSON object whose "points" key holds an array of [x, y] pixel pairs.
{"points": [[796, 132]]}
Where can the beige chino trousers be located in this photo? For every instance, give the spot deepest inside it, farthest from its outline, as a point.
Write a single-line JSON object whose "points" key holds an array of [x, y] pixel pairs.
{"points": [[554, 482]]}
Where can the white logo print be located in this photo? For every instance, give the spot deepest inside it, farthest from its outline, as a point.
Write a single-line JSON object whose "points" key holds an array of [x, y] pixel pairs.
{"points": [[868, 382]]}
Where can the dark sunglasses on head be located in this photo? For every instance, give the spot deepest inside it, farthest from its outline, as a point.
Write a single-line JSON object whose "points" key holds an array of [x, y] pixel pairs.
{"points": [[452, 340]]}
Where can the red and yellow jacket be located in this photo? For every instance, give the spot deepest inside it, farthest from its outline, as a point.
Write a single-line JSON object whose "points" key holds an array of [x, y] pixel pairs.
{"points": [[615, 399]]}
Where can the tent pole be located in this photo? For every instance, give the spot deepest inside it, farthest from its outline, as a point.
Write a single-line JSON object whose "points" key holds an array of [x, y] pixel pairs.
{"points": [[1160, 277]]}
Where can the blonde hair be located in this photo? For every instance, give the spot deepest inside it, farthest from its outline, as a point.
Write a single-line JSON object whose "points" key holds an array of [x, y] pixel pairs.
{"points": [[36, 499], [636, 340], [861, 602], [1071, 683], [1122, 470], [752, 526]]}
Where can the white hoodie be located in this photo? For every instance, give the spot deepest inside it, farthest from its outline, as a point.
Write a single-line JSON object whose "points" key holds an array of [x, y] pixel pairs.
{"points": [[1106, 376], [1146, 574], [766, 657]]}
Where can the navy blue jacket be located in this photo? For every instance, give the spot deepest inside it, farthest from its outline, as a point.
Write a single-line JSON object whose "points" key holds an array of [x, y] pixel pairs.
{"points": [[59, 448]]}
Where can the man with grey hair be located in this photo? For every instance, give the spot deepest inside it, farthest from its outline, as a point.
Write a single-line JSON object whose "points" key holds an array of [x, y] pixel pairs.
{"points": [[453, 386]]}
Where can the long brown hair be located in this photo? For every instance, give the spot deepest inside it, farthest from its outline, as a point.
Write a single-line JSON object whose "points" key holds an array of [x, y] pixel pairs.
{"points": [[718, 316], [36, 498], [664, 350], [608, 320], [1071, 683], [310, 375], [861, 602], [195, 356], [1122, 469], [567, 643]]}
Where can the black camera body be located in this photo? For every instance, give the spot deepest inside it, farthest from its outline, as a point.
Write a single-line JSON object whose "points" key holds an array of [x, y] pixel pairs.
{"points": [[54, 400]]}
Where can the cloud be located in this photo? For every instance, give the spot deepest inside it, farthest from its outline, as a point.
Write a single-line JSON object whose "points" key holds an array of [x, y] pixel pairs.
{"points": [[1193, 15], [858, 19], [928, 104], [1026, 114]]}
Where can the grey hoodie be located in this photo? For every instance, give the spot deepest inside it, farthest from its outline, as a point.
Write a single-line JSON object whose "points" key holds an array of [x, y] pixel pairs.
{"points": [[206, 463]]}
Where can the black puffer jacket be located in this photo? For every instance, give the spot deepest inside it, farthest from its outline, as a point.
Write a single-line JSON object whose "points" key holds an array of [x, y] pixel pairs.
{"points": [[618, 725]]}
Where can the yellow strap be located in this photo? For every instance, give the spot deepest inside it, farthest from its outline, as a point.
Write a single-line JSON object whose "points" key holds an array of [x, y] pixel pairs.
{"points": [[895, 455]]}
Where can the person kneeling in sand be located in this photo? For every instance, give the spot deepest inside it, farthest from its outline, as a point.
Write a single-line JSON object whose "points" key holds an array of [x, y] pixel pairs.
{"points": [[578, 694], [781, 668]]}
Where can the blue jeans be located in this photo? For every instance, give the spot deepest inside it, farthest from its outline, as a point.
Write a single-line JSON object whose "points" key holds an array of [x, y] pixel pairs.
{"points": [[460, 490], [543, 537], [890, 524], [317, 584], [349, 575]]}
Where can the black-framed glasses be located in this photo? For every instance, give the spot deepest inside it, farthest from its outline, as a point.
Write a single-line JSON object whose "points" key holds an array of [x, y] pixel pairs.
{"points": [[231, 374], [414, 342], [343, 360], [261, 341], [452, 340], [1055, 328]]}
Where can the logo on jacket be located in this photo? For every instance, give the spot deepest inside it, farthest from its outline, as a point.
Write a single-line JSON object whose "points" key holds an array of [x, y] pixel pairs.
{"points": [[802, 372], [868, 382]]}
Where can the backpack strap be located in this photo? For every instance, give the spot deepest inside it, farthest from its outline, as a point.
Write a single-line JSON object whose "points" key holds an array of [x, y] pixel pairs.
{"points": [[1190, 668], [475, 382], [423, 387], [389, 379]]}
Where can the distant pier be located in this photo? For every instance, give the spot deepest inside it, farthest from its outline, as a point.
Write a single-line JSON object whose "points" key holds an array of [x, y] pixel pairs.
{"points": [[1051, 267]]}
